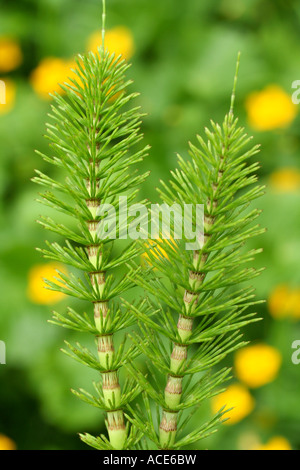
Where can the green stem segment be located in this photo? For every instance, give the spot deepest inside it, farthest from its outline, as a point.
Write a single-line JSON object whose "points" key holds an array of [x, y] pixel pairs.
{"points": [[116, 428], [168, 428]]}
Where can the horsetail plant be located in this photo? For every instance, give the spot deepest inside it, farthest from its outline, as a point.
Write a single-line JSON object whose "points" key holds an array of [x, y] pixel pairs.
{"points": [[94, 134], [198, 286]]}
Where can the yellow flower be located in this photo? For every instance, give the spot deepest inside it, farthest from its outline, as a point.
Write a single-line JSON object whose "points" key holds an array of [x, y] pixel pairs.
{"points": [[277, 301], [237, 397], [37, 291], [271, 108], [118, 40], [6, 443], [275, 443], [293, 303], [285, 180], [10, 54], [284, 302], [158, 251], [248, 440], [7, 95], [47, 76], [257, 365]]}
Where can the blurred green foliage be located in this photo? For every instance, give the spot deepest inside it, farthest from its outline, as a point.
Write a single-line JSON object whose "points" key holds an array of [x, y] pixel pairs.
{"points": [[183, 66]]}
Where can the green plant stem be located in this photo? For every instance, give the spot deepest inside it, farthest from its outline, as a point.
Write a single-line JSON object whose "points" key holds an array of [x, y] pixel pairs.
{"points": [[103, 23], [174, 389], [106, 351], [110, 383]]}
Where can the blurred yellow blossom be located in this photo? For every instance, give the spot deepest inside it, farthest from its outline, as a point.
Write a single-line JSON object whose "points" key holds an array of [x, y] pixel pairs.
{"points": [[47, 76], [277, 301], [10, 54], [271, 108], [284, 302], [118, 40], [8, 94], [275, 443], [257, 365], [236, 396], [37, 291], [248, 440], [285, 180], [6, 443], [158, 251], [293, 303]]}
